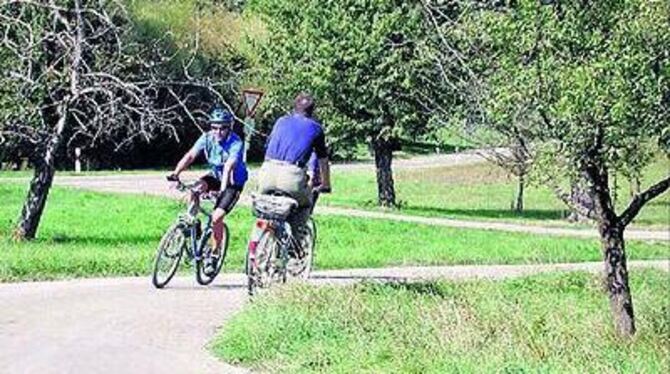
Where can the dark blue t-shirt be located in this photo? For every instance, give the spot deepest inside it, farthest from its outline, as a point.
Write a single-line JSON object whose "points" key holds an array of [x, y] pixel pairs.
{"points": [[293, 139]]}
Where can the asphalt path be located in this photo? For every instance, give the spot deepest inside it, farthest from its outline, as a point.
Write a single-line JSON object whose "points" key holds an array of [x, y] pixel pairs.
{"points": [[124, 325]]}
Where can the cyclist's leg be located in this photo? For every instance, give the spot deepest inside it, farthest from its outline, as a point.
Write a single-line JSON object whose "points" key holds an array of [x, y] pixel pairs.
{"points": [[224, 205], [206, 183], [298, 219]]}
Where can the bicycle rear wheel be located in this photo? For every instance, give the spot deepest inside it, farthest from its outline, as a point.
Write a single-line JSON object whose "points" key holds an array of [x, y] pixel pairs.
{"points": [[268, 266], [201, 276], [169, 254]]}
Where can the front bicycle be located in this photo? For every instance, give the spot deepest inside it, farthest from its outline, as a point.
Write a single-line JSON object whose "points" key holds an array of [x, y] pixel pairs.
{"points": [[188, 236]]}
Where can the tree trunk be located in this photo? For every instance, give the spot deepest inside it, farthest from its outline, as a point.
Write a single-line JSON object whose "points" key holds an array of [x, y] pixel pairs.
{"points": [[616, 279], [580, 197], [40, 185], [611, 230], [519, 196], [385, 188]]}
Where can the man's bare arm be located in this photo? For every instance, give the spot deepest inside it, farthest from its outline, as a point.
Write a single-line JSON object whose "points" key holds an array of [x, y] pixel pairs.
{"points": [[226, 179], [185, 162], [324, 167]]}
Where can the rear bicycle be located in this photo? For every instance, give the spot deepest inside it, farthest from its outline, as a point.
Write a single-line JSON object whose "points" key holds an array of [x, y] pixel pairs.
{"points": [[302, 251], [267, 257]]}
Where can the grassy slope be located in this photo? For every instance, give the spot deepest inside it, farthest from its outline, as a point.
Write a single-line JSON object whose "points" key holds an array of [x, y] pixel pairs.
{"points": [[475, 326], [480, 192], [95, 234]]}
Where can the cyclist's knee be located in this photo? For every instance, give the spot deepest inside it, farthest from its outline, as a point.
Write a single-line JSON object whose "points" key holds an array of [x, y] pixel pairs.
{"points": [[218, 215]]}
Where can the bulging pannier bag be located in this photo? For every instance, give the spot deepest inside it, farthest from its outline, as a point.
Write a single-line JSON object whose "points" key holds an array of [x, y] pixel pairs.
{"points": [[272, 207]]}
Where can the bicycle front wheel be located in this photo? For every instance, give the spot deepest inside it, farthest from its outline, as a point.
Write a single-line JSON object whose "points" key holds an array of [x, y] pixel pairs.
{"points": [[300, 265], [169, 254], [202, 276]]}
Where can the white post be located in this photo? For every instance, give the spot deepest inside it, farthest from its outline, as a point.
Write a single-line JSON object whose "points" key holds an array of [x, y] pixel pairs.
{"points": [[250, 126], [77, 162]]}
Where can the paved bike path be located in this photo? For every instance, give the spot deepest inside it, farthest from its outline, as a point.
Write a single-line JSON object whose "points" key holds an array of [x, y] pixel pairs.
{"points": [[124, 325]]}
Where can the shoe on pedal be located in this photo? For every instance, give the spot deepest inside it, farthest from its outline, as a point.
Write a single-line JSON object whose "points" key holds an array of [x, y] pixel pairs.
{"points": [[211, 263]]}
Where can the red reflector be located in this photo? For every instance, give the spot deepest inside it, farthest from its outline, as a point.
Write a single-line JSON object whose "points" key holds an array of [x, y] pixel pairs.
{"points": [[252, 247]]}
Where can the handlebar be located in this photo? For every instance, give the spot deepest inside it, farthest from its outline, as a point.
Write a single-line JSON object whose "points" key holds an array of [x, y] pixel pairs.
{"points": [[193, 187]]}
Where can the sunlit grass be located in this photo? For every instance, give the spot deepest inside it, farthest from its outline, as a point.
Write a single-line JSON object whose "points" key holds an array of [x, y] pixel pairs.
{"points": [[482, 192], [86, 234], [549, 323]]}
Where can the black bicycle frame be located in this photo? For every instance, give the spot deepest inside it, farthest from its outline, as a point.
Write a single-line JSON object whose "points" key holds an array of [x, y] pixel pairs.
{"points": [[197, 248]]}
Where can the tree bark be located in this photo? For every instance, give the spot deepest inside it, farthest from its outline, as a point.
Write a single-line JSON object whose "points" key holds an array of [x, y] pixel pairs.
{"points": [[40, 184], [385, 186], [581, 204], [616, 279], [519, 196], [611, 230]]}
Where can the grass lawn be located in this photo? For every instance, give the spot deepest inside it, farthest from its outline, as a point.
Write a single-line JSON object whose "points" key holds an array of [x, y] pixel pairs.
{"points": [[549, 323], [87, 234], [480, 192]]}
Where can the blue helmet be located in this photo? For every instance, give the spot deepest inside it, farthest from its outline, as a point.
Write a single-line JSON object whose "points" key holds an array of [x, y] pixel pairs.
{"points": [[220, 115]]}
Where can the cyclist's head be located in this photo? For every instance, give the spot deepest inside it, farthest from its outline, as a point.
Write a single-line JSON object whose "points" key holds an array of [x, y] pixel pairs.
{"points": [[220, 118], [304, 104]]}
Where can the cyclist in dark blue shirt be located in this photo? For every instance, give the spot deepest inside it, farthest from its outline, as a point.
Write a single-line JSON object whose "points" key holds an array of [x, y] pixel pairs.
{"points": [[292, 141]]}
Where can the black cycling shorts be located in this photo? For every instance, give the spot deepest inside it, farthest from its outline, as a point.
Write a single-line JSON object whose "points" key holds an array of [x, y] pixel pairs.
{"points": [[228, 198]]}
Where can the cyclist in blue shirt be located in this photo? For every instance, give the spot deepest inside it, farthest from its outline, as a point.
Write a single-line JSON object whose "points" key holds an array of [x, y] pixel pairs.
{"points": [[292, 141], [224, 151]]}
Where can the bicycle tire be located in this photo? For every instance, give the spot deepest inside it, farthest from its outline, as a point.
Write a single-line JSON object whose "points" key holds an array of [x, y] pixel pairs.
{"points": [[250, 267], [263, 271], [303, 268], [167, 243], [201, 277]]}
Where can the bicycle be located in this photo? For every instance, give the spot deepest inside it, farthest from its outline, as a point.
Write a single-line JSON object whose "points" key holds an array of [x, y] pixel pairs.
{"points": [[186, 234], [268, 258]]}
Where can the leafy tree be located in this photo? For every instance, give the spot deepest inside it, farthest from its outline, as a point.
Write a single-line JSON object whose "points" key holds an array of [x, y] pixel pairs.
{"points": [[593, 78], [363, 61]]}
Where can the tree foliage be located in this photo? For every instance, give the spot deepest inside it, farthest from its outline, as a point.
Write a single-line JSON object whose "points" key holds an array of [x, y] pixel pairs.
{"points": [[362, 59], [587, 82]]}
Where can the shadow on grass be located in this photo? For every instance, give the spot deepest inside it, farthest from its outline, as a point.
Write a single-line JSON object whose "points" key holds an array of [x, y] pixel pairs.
{"points": [[536, 214], [382, 285], [97, 240]]}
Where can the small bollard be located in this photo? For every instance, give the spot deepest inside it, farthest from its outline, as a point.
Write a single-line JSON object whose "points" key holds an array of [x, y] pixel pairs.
{"points": [[77, 162]]}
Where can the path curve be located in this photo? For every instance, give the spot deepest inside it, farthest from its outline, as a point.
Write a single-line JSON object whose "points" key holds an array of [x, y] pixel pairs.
{"points": [[124, 325], [154, 184]]}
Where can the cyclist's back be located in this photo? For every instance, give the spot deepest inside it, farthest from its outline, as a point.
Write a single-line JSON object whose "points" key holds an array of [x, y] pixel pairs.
{"points": [[293, 139]]}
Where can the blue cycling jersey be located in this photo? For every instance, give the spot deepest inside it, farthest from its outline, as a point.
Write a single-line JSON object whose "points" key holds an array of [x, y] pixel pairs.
{"points": [[218, 152]]}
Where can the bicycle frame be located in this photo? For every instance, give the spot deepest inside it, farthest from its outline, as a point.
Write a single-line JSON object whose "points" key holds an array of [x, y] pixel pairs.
{"points": [[197, 247]]}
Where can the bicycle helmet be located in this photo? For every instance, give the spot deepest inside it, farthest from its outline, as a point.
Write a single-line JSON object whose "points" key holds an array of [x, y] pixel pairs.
{"points": [[220, 115]]}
